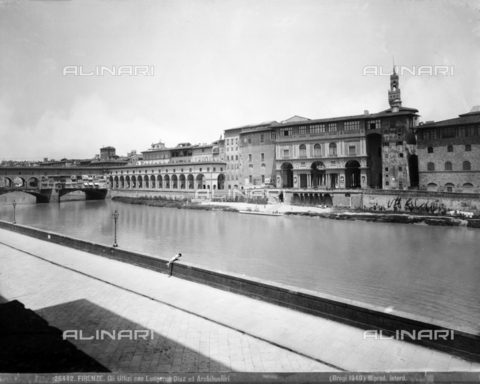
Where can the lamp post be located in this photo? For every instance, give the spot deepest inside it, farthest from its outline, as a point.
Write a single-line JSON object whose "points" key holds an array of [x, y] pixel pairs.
{"points": [[115, 217], [14, 205]]}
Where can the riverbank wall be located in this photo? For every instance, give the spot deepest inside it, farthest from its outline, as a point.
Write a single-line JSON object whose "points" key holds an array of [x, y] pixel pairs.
{"points": [[420, 201], [365, 316]]}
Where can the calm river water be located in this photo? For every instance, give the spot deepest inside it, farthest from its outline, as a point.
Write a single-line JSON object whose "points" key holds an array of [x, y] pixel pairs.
{"points": [[428, 271]]}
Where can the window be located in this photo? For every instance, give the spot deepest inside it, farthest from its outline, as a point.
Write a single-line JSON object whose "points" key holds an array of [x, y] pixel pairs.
{"points": [[466, 166], [249, 139], [286, 153], [262, 156], [332, 149], [250, 157], [303, 151], [400, 154], [262, 138], [468, 148], [430, 149], [450, 148], [227, 159], [351, 150], [351, 126], [449, 187], [448, 166], [373, 124], [470, 131], [332, 127], [430, 134], [386, 169], [430, 166], [448, 133], [386, 183], [273, 135], [263, 165], [286, 132], [400, 169], [302, 131], [236, 157], [250, 179], [317, 129], [317, 150], [263, 179]]}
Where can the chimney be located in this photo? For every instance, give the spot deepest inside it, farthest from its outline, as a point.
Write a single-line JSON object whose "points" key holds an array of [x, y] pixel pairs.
{"points": [[365, 112]]}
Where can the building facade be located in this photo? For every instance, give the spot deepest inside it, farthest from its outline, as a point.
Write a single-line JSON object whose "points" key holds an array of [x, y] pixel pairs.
{"points": [[450, 154], [351, 152], [257, 154]]}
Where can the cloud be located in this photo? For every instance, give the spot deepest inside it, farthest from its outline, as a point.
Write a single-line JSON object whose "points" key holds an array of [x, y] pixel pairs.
{"points": [[78, 133]]}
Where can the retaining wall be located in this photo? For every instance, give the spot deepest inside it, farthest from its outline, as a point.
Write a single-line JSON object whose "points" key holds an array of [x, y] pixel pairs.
{"points": [[365, 316], [422, 202]]}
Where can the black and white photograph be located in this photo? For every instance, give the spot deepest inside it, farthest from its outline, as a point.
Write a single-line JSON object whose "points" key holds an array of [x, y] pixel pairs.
{"points": [[281, 191]]}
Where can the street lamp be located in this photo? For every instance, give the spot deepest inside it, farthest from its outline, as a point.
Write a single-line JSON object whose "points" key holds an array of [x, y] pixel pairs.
{"points": [[14, 205], [115, 218]]}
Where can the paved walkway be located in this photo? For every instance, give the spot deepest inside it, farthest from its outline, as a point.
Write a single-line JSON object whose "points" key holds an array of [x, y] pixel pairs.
{"points": [[196, 328]]}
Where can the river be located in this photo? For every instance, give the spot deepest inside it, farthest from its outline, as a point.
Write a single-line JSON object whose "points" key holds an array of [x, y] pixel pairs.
{"points": [[423, 270]]}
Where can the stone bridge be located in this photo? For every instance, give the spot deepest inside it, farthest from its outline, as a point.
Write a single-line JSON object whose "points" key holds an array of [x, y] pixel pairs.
{"points": [[48, 184]]}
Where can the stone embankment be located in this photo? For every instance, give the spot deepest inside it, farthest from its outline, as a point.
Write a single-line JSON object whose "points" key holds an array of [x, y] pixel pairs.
{"points": [[325, 213], [166, 203], [453, 221]]}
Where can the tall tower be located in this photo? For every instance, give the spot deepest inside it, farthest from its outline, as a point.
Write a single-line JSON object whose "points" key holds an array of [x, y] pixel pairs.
{"points": [[394, 97]]}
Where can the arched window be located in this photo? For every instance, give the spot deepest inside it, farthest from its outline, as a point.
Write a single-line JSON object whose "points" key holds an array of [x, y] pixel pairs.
{"points": [[450, 148], [303, 151], [430, 149], [468, 148], [430, 166], [332, 149], [466, 166], [449, 187], [317, 150], [432, 187], [467, 185], [448, 166]]}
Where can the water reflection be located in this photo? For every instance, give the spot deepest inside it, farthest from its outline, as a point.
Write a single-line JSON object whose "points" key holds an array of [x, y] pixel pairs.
{"points": [[429, 271]]}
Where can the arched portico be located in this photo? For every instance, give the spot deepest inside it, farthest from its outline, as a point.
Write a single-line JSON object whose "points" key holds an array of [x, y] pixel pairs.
{"points": [[181, 180], [287, 175], [319, 178], [221, 181], [200, 181], [352, 174], [190, 182]]}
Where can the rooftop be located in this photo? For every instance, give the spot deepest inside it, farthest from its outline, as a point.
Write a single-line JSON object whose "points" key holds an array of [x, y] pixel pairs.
{"points": [[471, 117]]}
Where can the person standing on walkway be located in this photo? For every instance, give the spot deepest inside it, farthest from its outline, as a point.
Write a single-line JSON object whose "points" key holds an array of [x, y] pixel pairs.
{"points": [[170, 263]]}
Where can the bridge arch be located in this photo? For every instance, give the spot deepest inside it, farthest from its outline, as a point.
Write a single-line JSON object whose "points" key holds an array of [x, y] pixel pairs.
{"points": [[6, 182], [33, 182]]}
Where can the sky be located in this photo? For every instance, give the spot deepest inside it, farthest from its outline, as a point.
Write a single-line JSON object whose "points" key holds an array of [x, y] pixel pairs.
{"points": [[214, 65]]}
